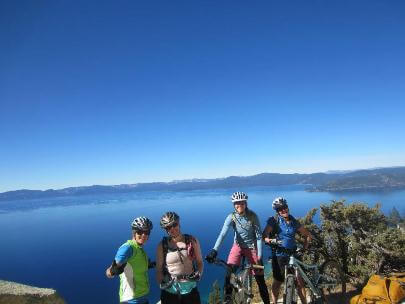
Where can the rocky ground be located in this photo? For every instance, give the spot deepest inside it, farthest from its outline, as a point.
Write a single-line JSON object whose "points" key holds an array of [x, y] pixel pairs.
{"points": [[16, 293]]}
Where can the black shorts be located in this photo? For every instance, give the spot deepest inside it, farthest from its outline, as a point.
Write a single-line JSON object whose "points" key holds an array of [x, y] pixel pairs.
{"points": [[170, 298], [278, 264]]}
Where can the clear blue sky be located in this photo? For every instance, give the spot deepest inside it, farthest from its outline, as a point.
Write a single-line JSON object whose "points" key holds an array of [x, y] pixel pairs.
{"points": [[110, 92]]}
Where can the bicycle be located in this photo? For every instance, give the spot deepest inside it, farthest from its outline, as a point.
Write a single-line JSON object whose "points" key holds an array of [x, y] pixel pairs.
{"points": [[322, 281], [240, 279]]}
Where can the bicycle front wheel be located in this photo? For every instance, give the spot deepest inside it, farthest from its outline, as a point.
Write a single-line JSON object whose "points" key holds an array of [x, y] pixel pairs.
{"points": [[332, 282], [289, 289], [247, 286]]}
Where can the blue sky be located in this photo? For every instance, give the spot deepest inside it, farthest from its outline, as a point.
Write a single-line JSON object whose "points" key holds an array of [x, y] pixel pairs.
{"points": [[111, 92]]}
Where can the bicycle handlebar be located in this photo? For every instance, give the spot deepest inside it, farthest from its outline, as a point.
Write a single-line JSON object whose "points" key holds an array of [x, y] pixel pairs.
{"points": [[228, 267], [277, 244]]}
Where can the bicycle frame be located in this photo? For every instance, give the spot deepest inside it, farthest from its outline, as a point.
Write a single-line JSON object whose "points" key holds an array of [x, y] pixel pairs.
{"points": [[241, 281], [298, 271]]}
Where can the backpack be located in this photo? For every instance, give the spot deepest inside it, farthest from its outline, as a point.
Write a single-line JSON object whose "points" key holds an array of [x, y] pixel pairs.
{"points": [[188, 239], [276, 227], [274, 223], [382, 290]]}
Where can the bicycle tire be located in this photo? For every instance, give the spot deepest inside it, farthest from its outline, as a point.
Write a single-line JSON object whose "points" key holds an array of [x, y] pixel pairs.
{"points": [[239, 295], [333, 270], [248, 286], [289, 289], [314, 299]]}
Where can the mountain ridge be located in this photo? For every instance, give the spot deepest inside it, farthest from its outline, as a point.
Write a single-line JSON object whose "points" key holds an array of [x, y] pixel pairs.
{"points": [[357, 180]]}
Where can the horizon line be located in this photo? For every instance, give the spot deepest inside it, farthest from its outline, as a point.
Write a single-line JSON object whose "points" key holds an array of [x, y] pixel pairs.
{"points": [[343, 171]]}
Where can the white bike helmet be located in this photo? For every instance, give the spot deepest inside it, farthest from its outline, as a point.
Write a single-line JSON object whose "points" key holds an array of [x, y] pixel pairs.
{"points": [[239, 197], [279, 203], [142, 223], [168, 219]]}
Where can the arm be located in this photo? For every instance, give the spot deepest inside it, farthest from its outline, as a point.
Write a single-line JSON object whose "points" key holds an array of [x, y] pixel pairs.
{"points": [[114, 269], [258, 232], [266, 233], [159, 263], [223, 232], [305, 233], [198, 256], [120, 260]]}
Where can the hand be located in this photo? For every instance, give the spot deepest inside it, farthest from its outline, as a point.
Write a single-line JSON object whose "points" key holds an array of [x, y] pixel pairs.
{"points": [[211, 256], [272, 241], [108, 273], [195, 276], [301, 250]]}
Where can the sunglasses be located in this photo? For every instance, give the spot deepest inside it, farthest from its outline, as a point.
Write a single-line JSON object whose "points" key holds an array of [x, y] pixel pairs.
{"points": [[282, 209], [167, 228], [140, 232]]}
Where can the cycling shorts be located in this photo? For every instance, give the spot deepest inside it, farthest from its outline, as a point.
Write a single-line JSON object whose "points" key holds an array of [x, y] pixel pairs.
{"points": [[237, 252], [278, 264], [170, 298]]}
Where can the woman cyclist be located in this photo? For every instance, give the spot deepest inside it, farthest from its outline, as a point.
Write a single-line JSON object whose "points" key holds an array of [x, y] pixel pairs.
{"points": [[131, 263], [284, 226], [179, 264], [247, 242]]}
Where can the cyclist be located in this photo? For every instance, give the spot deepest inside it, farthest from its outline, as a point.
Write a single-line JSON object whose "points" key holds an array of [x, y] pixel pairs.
{"points": [[131, 263], [179, 264], [247, 242], [285, 226]]}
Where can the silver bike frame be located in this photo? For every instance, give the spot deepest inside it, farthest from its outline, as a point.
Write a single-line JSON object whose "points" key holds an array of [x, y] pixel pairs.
{"points": [[296, 264]]}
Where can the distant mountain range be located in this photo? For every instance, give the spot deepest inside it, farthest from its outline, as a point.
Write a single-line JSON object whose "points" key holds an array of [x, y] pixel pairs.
{"points": [[332, 181]]}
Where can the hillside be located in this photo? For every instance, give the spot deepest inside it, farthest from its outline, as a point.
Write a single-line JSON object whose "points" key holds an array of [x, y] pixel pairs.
{"points": [[365, 180], [360, 180]]}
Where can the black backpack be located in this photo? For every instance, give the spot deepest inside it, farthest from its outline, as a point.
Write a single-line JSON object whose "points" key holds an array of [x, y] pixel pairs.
{"points": [[276, 227]]}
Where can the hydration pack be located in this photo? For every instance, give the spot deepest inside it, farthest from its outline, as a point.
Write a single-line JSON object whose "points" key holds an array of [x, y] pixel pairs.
{"points": [[188, 239]]}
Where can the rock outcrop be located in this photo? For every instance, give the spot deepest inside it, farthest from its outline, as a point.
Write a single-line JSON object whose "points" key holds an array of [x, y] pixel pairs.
{"points": [[15, 293]]}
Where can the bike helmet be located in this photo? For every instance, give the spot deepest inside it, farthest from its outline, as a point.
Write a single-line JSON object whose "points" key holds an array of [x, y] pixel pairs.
{"points": [[279, 203], [142, 223], [239, 197], [168, 219]]}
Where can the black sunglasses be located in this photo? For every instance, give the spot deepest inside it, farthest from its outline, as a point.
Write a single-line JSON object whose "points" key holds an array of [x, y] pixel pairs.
{"points": [[167, 228], [281, 209], [140, 232]]}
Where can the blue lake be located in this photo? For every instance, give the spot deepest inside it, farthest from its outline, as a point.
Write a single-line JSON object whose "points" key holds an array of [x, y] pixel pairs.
{"points": [[67, 243]]}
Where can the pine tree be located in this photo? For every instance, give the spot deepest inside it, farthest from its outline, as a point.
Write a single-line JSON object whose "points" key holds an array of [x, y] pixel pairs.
{"points": [[394, 217], [215, 295], [359, 238]]}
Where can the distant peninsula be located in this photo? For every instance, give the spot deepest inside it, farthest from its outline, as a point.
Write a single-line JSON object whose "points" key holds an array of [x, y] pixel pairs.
{"points": [[379, 179]]}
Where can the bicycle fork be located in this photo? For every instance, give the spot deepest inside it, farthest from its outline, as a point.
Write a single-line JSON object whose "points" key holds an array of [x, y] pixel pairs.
{"points": [[290, 294]]}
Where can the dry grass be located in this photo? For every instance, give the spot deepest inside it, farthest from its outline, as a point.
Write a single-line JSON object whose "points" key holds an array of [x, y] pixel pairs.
{"points": [[351, 291]]}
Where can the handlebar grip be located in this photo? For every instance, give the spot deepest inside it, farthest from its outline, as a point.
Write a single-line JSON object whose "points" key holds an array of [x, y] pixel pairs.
{"points": [[256, 266]]}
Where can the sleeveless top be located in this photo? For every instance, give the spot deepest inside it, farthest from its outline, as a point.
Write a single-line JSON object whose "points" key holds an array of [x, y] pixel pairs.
{"points": [[179, 263]]}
